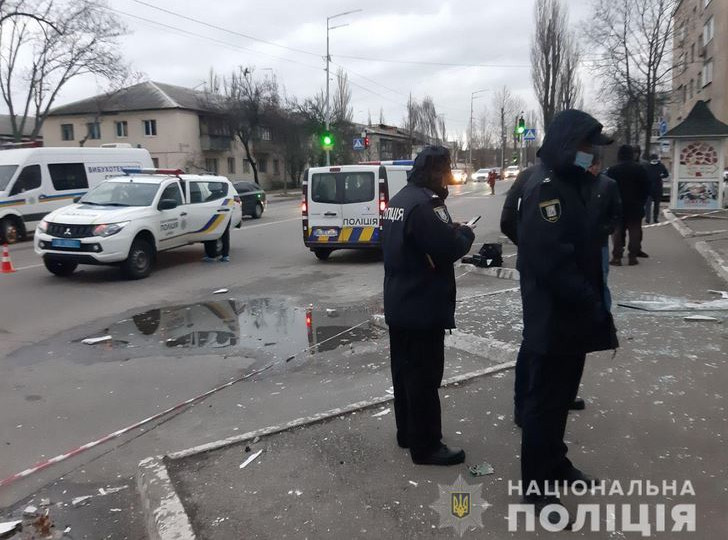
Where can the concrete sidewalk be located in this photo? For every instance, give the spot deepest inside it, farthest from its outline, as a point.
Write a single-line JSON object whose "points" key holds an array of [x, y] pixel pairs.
{"points": [[655, 412], [708, 234]]}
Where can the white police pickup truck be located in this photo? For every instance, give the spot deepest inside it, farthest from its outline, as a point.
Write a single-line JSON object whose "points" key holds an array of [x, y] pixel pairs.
{"points": [[128, 219]]}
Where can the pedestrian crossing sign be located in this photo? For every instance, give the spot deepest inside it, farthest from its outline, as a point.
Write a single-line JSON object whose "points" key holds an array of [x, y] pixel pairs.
{"points": [[529, 134], [358, 144]]}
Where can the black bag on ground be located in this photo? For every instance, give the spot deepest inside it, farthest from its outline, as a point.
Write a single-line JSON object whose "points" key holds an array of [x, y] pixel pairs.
{"points": [[489, 256]]}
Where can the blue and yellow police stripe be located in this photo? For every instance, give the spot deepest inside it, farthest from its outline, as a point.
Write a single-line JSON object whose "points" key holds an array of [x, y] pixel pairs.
{"points": [[14, 202], [51, 198]]}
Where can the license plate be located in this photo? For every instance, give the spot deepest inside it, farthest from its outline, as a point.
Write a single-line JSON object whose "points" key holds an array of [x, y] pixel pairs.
{"points": [[330, 233], [65, 243]]}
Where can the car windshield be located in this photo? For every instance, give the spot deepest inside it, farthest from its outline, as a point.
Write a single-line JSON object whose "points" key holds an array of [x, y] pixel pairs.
{"points": [[121, 194], [6, 174]]}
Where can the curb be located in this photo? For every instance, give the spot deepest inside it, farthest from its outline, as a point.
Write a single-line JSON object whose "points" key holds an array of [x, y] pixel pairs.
{"points": [[164, 515], [712, 257]]}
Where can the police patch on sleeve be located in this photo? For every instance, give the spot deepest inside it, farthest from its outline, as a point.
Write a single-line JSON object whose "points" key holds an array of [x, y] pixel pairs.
{"points": [[441, 212], [551, 210]]}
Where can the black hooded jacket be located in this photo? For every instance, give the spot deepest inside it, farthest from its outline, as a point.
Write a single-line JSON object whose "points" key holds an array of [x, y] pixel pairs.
{"points": [[420, 245], [560, 248], [633, 184]]}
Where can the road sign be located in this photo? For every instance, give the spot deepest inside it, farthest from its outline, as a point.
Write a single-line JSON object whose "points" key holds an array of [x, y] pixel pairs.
{"points": [[662, 127], [665, 147], [358, 143], [529, 134]]}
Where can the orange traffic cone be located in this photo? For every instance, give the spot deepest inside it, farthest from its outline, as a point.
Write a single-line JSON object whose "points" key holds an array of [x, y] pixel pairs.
{"points": [[7, 265]]}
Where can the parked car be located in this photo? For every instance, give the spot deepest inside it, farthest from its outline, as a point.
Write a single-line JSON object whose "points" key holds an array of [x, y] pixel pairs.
{"points": [[511, 172], [127, 220], [252, 198], [481, 175]]}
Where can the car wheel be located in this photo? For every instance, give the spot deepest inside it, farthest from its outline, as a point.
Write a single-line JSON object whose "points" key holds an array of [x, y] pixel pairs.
{"points": [[59, 267], [139, 263], [258, 211], [10, 230], [322, 254]]}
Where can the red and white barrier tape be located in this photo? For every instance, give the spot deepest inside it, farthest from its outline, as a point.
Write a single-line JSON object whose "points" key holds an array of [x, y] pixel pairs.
{"points": [[62, 457]]}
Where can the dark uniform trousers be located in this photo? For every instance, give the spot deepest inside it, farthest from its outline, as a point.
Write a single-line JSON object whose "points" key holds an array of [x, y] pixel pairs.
{"points": [[551, 386], [418, 361], [633, 226]]}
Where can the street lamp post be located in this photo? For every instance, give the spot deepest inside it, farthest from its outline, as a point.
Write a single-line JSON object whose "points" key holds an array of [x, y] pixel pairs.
{"points": [[470, 139], [328, 78]]}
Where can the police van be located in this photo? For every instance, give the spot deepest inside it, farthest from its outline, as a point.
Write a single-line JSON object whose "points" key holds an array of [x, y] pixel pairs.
{"points": [[342, 206], [36, 181], [128, 219]]}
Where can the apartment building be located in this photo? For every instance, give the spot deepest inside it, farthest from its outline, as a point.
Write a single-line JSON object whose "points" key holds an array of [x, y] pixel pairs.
{"points": [[175, 124], [700, 57]]}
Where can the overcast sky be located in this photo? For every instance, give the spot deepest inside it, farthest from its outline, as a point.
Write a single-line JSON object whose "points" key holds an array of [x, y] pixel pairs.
{"points": [[494, 34]]}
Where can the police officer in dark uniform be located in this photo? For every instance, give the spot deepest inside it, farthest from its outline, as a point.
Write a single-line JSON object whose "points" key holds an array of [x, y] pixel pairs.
{"points": [[420, 244], [562, 288]]}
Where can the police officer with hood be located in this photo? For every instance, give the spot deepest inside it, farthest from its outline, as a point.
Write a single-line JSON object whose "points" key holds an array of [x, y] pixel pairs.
{"points": [[420, 244], [562, 288]]}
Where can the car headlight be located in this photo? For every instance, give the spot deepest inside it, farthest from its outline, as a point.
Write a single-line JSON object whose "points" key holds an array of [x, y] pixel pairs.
{"points": [[43, 226], [109, 229]]}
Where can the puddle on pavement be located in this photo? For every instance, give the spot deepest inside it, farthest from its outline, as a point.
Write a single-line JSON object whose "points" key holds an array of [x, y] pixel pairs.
{"points": [[260, 326]]}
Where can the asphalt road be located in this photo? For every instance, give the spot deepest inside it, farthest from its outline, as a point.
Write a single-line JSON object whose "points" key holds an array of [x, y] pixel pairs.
{"points": [[174, 339]]}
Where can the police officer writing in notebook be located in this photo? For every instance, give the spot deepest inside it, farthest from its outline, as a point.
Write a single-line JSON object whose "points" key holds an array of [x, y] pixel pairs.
{"points": [[562, 288], [420, 244]]}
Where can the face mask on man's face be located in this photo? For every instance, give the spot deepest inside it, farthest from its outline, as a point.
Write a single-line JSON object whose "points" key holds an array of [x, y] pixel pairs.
{"points": [[583, 160]]}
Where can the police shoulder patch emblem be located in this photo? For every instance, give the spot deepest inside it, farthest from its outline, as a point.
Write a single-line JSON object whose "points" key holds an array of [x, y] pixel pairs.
{"points": [[441, 212], [551, 210]]}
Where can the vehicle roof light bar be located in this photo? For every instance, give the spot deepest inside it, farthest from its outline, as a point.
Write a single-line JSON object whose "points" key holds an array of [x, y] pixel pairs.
{"points": [[171, 172]]}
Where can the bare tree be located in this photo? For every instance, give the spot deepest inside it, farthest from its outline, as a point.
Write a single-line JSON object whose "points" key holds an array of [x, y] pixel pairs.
{"points": [[245, 105], [381, 116], [17, 9], [555, 58], [342, 111], [442, 127], [506, 109], [412, 123], [37, 59], [634, 59], [428, 119]]}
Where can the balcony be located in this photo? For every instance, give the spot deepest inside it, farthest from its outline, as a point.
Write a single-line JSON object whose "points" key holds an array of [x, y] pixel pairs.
{"points": [[215, 143]]}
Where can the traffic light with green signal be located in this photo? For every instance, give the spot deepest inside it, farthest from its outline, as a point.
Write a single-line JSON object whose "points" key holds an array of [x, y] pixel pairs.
{"points": [[521, 127], [327, 140]]}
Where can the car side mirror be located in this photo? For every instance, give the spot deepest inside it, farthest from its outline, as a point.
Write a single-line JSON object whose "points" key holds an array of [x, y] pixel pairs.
{"points": [[167, 204], [76, 199]]}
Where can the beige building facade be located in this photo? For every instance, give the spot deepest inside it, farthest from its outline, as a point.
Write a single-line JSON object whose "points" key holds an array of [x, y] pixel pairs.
{"points": [[700, 58], [172, 123]]}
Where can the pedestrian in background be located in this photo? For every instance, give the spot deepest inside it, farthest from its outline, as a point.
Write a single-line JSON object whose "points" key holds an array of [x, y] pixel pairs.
{"points": [[656, 175], [420, 244], [491, 181], [631, 178], [562, 288]]}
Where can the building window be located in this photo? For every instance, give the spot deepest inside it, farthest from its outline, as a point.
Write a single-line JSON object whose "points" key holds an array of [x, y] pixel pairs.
{"points": [[265, 134], [692, 52], [708, 31], [67, 132], [231, 165], [690, 88], [262, 164], [699, 86], [683, 93], [122, 129], [211, 165], [276, 167], [150, 128], [155, 162], [707, 73], [93, 130], [246, 165]]}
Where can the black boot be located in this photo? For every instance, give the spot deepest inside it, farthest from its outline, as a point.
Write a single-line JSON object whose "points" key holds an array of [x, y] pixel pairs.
{"points": [[578, 405], [442, 456]]}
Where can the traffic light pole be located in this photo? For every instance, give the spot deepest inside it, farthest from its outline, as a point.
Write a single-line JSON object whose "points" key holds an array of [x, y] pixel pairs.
{"points": [[328, 81]]}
